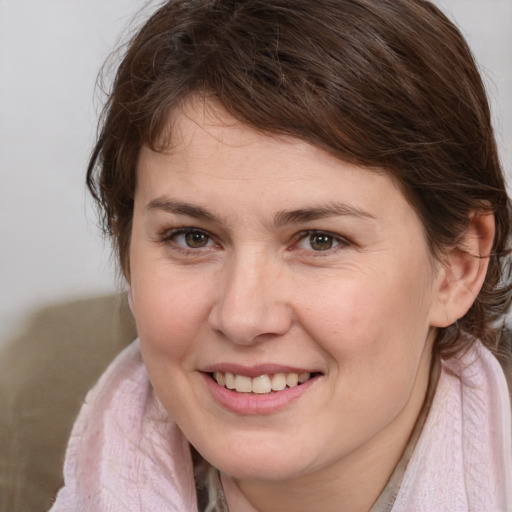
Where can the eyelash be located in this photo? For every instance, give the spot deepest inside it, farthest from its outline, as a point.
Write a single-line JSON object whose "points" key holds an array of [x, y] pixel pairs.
{"points": [[339, 243], [169, 239]]}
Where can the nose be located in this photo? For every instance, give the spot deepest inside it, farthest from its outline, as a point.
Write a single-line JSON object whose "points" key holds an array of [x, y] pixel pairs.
{"points": [[251, 304]]}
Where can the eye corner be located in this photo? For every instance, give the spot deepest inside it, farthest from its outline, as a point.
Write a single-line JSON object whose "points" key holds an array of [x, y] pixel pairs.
{"points": [[188, 240], [319, 242]]}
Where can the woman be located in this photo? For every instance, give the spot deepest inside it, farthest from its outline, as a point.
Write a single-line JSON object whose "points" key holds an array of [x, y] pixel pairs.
{"points": [[307, 204]]}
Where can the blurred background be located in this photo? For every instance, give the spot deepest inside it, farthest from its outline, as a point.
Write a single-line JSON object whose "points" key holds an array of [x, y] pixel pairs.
{"points": [[50, 54]]}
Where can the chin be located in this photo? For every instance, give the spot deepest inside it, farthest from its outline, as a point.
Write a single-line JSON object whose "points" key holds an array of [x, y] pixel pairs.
{"points": [[267, 471], [259, 460]]}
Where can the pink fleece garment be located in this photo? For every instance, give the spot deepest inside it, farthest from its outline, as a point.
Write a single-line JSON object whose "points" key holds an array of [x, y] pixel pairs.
{"points": [[126, 455]]}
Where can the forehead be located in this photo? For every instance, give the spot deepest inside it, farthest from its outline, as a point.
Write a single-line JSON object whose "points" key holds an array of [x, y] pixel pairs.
{"points": [[201, 129], [210, 157]]}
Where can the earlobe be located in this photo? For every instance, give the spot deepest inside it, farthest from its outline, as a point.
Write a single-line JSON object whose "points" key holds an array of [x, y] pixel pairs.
{"points": [[463, 270]]}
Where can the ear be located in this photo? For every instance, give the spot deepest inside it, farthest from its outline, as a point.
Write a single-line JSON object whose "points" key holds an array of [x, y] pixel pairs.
{"points": [[462, 271]]}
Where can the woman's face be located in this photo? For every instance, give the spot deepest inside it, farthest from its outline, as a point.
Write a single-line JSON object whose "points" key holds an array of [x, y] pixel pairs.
{"points": [[256, 259]]}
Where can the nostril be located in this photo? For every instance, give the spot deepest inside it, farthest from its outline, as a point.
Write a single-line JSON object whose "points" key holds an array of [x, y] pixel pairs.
{"points": [[250, 323]]}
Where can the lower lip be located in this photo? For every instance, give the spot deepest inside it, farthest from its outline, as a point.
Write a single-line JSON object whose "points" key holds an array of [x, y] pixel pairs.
{"points": [[253, 403]]}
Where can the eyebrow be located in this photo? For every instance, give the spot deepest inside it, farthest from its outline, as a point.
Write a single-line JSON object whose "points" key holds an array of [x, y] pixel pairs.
{"points": [[282, 218], [180, 208], [319, 212]]}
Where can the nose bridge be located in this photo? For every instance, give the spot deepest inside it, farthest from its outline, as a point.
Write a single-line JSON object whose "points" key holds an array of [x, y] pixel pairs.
{"points": [[251, 305]]}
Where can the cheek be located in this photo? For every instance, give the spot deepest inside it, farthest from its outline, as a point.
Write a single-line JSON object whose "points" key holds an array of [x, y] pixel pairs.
{"points": [[169, 311], [372, 319], [374, 334]]}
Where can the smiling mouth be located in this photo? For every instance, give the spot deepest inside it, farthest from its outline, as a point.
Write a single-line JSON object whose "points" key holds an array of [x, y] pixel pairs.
{"points": [[263, 384]]}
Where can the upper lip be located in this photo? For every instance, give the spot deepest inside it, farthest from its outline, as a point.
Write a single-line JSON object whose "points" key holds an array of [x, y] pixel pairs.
{"points": [[256, 370]]}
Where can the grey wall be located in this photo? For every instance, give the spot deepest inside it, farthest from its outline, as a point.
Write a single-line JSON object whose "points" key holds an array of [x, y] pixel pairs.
{"points": [[50, 52]]}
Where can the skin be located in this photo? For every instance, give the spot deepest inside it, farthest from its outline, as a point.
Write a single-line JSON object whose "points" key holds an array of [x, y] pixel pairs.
{"points": [[254, 288]]}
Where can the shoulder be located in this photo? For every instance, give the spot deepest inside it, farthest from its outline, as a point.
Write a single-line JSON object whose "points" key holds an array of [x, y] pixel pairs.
{"points": [[463, 459], [125, 452]]}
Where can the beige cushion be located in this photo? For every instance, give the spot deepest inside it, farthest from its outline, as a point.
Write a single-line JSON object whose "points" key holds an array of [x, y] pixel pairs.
{"points": [[45, 374]]}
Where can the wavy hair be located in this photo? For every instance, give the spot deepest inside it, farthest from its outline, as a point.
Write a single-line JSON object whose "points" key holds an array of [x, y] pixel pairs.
{"points": [[386, 84]]}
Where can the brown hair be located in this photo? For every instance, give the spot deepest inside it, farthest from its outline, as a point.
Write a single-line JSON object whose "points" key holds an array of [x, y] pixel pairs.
{"points": [[387, 84]]}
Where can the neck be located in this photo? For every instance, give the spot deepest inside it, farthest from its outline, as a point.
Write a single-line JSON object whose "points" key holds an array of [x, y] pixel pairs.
{"points": [[348, 485]]}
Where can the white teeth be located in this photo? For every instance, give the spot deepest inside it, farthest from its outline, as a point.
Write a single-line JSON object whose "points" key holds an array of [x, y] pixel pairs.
{"points": [[303, 377], [243, 384], [261, 385], [219, 377], [230, 380], [278, 382], [292, 379]]}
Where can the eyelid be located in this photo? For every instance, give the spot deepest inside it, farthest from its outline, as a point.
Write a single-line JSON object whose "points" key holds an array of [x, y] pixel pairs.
{"points": [[170, 235], [341, 241]]}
